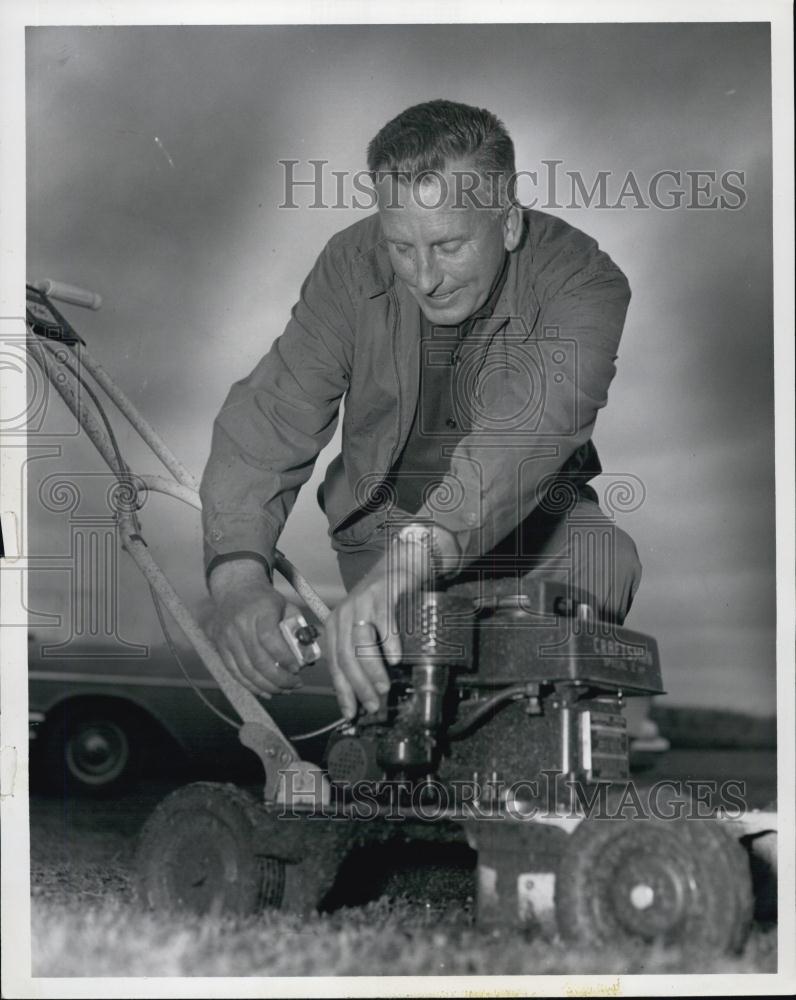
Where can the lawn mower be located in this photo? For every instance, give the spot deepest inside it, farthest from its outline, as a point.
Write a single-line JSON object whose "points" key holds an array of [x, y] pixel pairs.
{"points": [[503, 729]]}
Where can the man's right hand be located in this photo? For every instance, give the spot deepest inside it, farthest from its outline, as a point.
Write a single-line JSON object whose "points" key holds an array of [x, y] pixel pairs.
{"points": [[246, 628]]}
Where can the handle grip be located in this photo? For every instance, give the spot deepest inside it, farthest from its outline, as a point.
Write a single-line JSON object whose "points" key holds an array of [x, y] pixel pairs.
{"points": [[75, 296]]}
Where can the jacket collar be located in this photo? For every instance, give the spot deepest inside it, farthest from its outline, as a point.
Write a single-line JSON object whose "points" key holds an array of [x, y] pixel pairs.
{"points": [[517, 301], [375, 270]]}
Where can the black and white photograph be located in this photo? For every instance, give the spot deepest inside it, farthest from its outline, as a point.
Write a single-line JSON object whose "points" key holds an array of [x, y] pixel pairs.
{"points": [[396, 582]]}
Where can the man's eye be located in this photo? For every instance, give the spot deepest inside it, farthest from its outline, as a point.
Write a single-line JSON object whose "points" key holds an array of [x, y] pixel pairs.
{"points": [[401, 248], [451, 247]]}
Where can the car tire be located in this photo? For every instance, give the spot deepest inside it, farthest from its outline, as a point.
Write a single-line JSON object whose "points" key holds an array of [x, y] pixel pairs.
{"points": [[198, 852], [91, 749], [680, 882]]}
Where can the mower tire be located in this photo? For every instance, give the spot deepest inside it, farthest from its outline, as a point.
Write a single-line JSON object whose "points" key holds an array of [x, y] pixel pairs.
{"points": [[678, 882], [199, 852]]}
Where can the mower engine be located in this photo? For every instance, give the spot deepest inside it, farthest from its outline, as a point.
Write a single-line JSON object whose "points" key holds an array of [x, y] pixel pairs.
{"points": [[498, 694]]}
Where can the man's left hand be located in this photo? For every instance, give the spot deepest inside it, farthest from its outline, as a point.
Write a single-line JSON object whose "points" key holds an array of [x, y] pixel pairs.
{"points": [[358, 637], [361, 634]]}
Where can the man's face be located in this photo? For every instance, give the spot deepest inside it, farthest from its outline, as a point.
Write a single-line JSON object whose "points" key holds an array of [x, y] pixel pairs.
{"points": [[446, 249]]}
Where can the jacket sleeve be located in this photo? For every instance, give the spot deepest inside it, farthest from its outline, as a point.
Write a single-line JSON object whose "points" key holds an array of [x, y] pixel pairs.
{"points": [[274, 423], [531, 424]]}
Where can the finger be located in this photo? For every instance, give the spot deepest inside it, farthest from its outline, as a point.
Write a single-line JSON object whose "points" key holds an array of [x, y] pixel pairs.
{"points": [[349, 664], [345, 693], [346, 698], [391, 640], [367, 649], [253, 675], [232, 666], [264, 662]]}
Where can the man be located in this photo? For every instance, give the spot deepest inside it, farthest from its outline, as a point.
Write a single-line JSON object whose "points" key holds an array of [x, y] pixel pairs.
{"points": [[473, 344]]}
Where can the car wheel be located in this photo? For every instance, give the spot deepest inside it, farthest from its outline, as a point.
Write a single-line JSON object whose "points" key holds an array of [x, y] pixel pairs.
{"points": [[198, 853], [680, 882], [93, 750]]}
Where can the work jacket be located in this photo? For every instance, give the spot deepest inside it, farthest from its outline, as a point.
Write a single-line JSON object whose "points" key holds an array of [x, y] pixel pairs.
{"points": [[534, 374]]}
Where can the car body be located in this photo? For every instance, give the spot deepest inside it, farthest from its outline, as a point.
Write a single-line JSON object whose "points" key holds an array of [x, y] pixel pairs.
{"points": [[96, 720]]}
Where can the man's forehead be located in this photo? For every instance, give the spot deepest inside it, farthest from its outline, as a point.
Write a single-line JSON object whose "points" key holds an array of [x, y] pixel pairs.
{"points": [[456, 189], [431, 217]]}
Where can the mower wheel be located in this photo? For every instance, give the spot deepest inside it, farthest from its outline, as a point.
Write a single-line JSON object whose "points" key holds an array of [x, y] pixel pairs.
{"points": [[680, 882], [198, 852]]}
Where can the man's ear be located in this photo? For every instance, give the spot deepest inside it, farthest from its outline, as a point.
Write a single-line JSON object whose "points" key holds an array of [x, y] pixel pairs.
{"points": [[512, 228]]}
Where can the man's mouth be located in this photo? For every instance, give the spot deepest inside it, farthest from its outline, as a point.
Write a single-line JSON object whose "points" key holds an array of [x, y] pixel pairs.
{"points": [[442, 296]]}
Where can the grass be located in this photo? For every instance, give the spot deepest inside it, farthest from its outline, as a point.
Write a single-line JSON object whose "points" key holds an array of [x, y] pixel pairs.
{"points": [[86, 921], [387, 937]]}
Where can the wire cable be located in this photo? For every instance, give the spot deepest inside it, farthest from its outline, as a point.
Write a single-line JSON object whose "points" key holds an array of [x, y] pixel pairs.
{"points": [[337, 724], [124, 476], [172, 646], [513, 693]]}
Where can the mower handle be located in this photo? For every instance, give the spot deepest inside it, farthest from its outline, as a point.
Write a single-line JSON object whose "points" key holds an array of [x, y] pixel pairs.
{"points": [[62, 292]]}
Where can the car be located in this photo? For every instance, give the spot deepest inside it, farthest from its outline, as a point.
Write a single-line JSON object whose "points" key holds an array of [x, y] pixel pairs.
{"points": [[99, 722]]}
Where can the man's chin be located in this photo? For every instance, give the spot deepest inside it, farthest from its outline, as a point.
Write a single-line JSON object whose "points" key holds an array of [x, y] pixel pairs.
{"points": [[445, 313]]}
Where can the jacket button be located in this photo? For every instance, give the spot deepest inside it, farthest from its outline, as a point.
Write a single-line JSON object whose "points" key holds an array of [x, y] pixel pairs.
{"points": [[471, 518], [216, 535], [450, 422]]}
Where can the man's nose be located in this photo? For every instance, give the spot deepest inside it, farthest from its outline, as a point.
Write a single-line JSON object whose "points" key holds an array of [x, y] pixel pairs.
{"points": [[427, 276]]}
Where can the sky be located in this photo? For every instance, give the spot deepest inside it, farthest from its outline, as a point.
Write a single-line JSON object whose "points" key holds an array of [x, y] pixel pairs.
{"points": [[154, 178]]}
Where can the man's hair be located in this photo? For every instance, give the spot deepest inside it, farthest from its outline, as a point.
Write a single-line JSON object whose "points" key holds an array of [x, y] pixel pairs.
{"points": [[429, 137]]}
